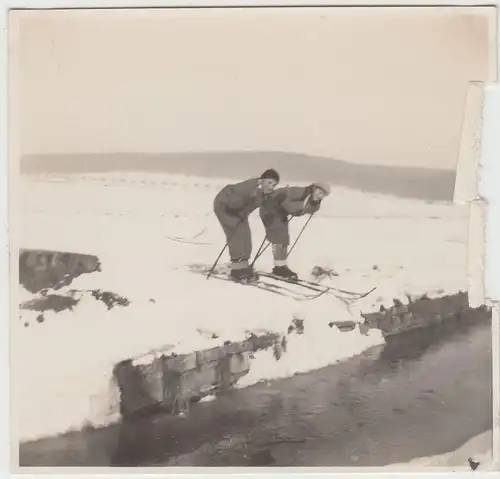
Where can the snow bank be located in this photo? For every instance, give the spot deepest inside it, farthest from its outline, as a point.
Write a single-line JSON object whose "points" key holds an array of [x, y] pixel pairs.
{"points": [[66, 362], [479, 449], [319, 346], [63, 365]]}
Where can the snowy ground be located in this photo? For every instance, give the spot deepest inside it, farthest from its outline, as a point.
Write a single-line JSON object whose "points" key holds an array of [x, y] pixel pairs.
{"points": [[479, 449], [137, 225]]}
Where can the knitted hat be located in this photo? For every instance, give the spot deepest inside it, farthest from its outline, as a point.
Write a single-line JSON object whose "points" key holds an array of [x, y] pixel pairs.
{"points": [[323, 186], [271, 175]]}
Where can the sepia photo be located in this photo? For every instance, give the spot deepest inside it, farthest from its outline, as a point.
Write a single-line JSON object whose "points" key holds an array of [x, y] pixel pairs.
{"points": [[244, 237]]}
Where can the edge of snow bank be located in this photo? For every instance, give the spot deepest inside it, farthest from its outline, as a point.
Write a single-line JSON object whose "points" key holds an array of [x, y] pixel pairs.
{"points": [[157, 382], [479, 449]]}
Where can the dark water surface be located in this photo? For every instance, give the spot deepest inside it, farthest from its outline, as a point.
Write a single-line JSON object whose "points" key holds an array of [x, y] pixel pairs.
{"points": [[425, 393]]}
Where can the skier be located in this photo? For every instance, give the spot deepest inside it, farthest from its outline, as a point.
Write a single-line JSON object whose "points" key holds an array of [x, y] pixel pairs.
{"points": [[275, 211], [232, 206]]}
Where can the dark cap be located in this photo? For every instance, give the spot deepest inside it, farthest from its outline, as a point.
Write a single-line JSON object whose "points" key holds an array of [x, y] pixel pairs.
{"points": [[271, 175]]}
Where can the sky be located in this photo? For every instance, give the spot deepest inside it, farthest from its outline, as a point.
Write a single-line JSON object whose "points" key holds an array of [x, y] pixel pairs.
{"points": [[381, 86]]}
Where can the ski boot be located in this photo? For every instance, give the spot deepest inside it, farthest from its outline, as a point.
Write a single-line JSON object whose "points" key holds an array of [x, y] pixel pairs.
{"points": [[285, 272], [244, 275]]}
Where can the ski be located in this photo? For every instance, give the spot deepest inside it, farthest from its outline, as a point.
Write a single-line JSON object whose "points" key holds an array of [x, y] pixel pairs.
{"points": [[317, 290], [350, 293], [255, 284], [187, 241], [322, 289], [364, 295], [317, 295], [298, 282], [259, 283], [265, 286]]}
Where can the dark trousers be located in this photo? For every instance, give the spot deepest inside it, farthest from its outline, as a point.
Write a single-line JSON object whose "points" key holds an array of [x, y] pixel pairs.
{"points": [[238, 234]]}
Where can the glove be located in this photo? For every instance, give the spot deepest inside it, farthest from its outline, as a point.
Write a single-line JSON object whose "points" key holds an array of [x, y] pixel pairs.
{"points": [[310, 202]]}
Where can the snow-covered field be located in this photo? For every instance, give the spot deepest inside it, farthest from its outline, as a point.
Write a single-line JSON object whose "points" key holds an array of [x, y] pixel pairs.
{"points": [[146, 229]]}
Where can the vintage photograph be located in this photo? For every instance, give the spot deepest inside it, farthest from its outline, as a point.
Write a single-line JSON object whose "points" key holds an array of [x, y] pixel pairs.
{"points": [[239, 238]]}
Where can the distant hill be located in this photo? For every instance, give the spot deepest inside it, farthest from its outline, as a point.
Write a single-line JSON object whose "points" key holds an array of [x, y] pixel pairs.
{"points": [[421, 183]]}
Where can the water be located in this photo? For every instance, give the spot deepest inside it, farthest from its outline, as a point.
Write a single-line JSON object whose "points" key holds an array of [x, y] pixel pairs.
{"points": [[427, 392]]}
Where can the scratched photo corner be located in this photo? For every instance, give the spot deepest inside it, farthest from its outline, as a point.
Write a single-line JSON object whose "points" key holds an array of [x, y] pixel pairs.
{"points": [[240, 238]]}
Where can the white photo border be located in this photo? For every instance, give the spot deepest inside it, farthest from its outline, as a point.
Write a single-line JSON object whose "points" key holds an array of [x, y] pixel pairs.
{"points": [[489, 191]]}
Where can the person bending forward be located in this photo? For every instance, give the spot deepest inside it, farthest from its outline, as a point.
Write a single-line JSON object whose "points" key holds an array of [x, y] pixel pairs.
{"points": [[277, 210], [232, 206]]}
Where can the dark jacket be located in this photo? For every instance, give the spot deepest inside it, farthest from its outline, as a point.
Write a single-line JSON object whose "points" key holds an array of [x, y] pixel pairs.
{"points": [[290, 200], [239, 199], [275, 209], [232, 206]]}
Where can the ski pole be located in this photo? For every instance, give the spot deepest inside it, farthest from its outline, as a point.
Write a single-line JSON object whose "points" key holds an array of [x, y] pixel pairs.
{"points": [[300, 234], [216, 261], [227, 244], [225, 247], [259, 252]]}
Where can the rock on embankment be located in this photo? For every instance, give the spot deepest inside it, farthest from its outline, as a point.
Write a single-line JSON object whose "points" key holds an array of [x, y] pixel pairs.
{"points": [[42, 269], [43, 273], [449, 311], [169, 382]]}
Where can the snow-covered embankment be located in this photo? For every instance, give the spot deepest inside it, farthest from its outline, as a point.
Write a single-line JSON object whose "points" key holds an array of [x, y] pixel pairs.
{"points": [[66, 362]]}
